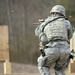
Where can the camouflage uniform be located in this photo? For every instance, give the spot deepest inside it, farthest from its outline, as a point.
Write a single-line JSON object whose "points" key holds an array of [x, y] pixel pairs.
{"points": [[54, 33]]}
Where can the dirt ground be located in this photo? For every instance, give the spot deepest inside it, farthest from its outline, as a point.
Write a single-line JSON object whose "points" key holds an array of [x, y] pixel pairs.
{"points": [[24, 69], [20, 68]]}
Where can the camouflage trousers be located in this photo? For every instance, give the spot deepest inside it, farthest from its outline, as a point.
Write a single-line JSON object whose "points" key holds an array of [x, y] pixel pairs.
{"points": [[56, 53]]}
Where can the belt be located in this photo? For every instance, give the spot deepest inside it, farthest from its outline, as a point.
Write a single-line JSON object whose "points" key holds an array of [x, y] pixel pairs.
{"points": [[53, 40], [56, 41]]}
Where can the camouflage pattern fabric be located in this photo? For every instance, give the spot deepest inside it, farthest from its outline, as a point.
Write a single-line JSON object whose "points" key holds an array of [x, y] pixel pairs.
{"points": [[56, 51]]}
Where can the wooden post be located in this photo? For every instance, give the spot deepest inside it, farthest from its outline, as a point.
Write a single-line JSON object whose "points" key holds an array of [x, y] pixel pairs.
{"points": [[72, 63], [7, 67], [4, 48]]}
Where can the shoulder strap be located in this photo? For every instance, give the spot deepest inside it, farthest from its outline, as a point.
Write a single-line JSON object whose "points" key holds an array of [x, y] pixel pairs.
{"points": [[51, 21]]}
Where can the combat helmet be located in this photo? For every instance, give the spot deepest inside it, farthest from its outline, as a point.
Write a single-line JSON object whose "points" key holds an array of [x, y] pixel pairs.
{"points": [[59, 9]]}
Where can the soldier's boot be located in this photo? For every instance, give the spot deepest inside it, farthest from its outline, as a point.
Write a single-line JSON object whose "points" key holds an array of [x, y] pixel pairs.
{"points": [[42, 69]]}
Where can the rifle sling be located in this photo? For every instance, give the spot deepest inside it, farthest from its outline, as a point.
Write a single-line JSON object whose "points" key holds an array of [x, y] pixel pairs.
{"points": [[50, 22]]}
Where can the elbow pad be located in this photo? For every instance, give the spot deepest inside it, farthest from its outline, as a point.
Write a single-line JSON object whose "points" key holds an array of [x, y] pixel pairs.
{"points": [[43, 38]]}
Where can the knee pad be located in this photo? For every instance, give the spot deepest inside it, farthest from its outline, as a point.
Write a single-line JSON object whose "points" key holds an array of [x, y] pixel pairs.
{"points": [[41, 61]]}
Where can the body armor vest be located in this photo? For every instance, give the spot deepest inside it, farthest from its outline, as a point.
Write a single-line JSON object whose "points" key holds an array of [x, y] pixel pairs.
{"points": [[56, 29]]}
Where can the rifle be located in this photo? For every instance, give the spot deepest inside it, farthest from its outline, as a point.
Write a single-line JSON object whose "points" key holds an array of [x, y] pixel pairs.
{"points": [[42, 52], [71, 56], [38, 23]]}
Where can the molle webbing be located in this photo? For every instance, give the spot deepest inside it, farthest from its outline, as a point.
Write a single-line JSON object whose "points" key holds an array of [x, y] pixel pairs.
{"points": [[51, 21]]}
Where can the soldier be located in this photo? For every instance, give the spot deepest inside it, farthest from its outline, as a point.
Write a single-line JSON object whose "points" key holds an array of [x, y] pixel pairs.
{"points": [[55, 34]]}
